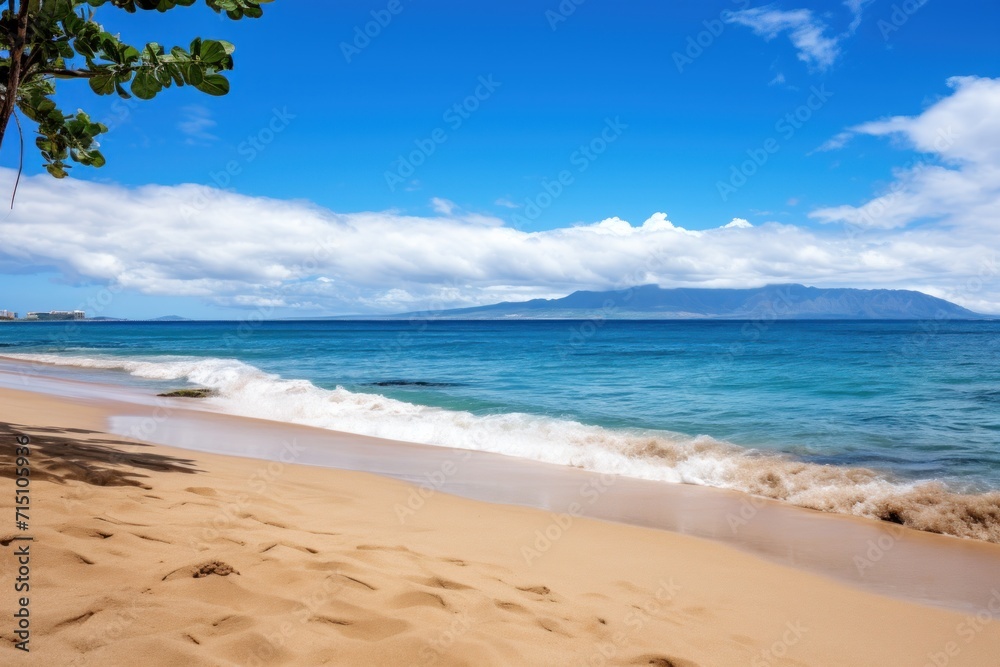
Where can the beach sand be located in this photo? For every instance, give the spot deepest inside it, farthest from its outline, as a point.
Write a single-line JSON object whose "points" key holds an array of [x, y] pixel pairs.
{"points": [[152, 555]]}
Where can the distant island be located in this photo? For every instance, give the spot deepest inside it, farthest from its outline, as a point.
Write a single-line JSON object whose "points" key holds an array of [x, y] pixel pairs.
{"points": [[77, 316], [786, 302]]}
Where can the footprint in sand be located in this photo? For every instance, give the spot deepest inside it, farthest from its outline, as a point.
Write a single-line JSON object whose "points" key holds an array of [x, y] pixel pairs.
{"points": [[81, 559], [418, 599], [512, 607], [285, 545], [75, 531], [76, 620], [552, 626], [359, 582], [663, 661], [438, 582], [371, 629]]}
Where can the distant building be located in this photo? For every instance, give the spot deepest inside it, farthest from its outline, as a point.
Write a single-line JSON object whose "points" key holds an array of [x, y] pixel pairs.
{"points": [[57, 315], [7, 315]]}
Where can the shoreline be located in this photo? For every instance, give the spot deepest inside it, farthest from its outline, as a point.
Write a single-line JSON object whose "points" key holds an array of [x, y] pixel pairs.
{"points": [[325, 572], [879, 557]]}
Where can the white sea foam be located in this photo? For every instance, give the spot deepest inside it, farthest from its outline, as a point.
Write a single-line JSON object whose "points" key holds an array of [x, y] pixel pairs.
{"points": [[242, 389]]}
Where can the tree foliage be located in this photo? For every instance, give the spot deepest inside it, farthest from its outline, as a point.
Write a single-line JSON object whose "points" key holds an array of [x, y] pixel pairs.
{"points": [[44, 41]]}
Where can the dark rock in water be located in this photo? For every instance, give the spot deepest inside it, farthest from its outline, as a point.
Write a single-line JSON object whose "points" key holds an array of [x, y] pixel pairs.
{"points": [[411, 383], [189, 393]]}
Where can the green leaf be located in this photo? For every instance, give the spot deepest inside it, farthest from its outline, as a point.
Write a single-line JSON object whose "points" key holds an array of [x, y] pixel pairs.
{"points": [[174, 71], [213, 51], [103, 84], [83, 47], [193, 74], [214, 84], [162, 75], [56, 170], [145, 86]]}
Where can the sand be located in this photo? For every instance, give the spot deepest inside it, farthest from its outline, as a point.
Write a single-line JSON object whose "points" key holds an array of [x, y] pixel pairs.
{"points": [[152, 555]]}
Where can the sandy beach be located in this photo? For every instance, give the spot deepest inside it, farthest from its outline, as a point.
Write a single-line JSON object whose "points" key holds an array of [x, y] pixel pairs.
{"points": [[153, 555]]}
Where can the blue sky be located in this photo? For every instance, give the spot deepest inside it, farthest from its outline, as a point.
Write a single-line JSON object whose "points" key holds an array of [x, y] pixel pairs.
{"points": [[683, 92]]}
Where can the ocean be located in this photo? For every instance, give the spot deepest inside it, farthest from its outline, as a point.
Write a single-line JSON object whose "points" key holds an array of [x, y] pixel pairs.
{"points": [[897, 420]]}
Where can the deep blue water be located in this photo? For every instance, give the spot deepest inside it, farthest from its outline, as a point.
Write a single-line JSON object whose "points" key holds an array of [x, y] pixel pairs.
{"points": [[920, 400]]}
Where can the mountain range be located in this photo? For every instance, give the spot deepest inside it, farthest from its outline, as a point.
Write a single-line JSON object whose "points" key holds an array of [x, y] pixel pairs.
{"points": [[787, 301]]}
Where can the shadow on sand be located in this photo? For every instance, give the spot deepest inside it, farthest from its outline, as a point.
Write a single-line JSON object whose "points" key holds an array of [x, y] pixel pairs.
{"points": [[72, 454]]}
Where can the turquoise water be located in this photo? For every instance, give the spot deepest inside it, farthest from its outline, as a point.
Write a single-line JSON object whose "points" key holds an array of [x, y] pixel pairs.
{"points": [[677, 401]]}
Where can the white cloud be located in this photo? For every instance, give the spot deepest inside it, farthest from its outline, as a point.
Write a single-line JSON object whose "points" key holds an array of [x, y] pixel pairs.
{"points": [[806, 31], [857, 8], [443, 206], [237, 250], [958, 184], [836, 142], [506, 203], [196, 123]]}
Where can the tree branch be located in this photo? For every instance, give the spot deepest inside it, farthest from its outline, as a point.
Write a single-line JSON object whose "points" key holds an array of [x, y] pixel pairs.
{"points": [[68, 73], [20, 164], [17, 43]]}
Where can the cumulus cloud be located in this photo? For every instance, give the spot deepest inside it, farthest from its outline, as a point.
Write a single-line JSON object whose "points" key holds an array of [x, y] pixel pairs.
{"points": [[957, 183], [806, 31], [243, 251]]}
